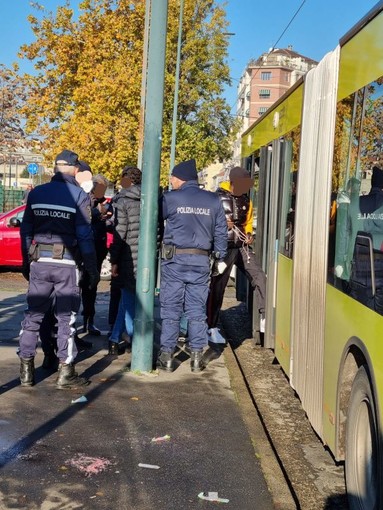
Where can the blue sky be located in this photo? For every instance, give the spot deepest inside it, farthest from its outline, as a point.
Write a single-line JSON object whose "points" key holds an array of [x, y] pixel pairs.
{"points": [[257, 26]]}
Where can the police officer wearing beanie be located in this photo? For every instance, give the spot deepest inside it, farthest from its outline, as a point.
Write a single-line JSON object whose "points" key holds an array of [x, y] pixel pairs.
{"points": [[195, 227], [56, 237]]}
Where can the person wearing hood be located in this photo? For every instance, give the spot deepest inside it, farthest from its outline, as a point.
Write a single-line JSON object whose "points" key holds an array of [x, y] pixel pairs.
{"points": [[124, 253]]}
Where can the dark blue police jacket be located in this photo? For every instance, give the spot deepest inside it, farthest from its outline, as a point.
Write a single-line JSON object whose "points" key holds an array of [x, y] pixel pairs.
{"points": [[58, 212], [194, 219]]}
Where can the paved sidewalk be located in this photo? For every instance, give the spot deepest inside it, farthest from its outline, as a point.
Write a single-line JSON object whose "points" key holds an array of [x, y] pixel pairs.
{"points": [[57, 454]]}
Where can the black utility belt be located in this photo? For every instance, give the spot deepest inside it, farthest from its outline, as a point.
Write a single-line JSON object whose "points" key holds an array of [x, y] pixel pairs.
{"points": [[55, 251], [169, 250]]}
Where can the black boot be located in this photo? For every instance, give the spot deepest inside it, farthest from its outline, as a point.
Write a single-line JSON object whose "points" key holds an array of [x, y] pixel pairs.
{"points": [[115, 348], [165, 361], [68, 377], [196, 361], [27, 371], [82, 344], [50, 360], [92, 330]]}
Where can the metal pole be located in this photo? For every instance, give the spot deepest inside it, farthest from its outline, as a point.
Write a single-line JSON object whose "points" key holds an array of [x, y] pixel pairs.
{"points": [[176, 87], [143, 83], [10, 170], [142, 347]]}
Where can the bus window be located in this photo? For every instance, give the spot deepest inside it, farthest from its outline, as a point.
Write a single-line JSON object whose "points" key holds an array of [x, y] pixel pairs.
{"points": [[356, 242], [254, 193], [289, 188]]}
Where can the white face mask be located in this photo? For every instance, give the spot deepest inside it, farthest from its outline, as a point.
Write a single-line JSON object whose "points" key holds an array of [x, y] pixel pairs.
{"points": [[87, 186]]}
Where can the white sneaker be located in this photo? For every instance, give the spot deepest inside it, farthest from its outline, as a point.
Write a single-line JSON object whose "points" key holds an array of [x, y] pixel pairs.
{"points": [[215, 336], [262, 324]]}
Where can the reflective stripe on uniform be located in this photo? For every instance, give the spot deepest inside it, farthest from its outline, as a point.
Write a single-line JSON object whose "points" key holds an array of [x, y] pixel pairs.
{"points": [[54, 207]]}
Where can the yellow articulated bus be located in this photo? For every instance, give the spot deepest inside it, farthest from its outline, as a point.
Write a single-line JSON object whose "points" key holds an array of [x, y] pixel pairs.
{"points": [[317, 155]]}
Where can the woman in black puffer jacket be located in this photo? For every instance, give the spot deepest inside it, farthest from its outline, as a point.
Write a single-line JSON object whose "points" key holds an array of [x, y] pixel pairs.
{"points": [[124, 252]]}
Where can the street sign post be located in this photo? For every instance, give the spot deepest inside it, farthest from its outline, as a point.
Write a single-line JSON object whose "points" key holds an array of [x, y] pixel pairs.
{"points": [[33, 168]]}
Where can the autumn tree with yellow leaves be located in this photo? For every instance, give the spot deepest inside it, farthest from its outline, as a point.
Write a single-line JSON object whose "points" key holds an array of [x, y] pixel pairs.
{"points": [[11, 99], [86, 92]]}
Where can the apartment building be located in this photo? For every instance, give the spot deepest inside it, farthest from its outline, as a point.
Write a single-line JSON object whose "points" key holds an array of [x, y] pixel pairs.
{"points": [[264, 81]]}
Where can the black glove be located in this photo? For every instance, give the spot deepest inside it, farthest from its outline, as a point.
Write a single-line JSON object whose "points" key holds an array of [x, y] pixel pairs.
{"points": [[94, 278], [25, 271]]}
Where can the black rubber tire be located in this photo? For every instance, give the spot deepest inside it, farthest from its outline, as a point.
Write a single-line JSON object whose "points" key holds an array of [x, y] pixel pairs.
{"points": [[362, 446]]}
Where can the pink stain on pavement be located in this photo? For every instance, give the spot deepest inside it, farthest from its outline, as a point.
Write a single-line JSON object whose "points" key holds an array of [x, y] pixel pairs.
{"points": [[88, 465]]}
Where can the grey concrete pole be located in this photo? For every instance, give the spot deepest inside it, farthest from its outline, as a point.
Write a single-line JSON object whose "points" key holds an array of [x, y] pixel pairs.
{"points": [[142, 346]]}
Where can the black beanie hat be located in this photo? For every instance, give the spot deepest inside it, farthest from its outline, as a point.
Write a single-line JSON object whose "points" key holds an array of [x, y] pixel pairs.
{"points": [[186, 171], [377, 177]]}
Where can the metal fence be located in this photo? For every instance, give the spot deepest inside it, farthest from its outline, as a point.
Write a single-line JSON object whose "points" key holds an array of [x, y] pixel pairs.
{"points": [[10, 198]]}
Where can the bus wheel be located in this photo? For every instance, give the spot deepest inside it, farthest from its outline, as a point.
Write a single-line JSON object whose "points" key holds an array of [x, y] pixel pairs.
{"points": [[362, 440]]}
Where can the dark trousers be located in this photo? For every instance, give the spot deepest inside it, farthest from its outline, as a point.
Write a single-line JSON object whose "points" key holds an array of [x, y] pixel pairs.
{"points": [[184, 289], [48, 332], [114, 302], [89, 295], [48, 281], [245, 261]]}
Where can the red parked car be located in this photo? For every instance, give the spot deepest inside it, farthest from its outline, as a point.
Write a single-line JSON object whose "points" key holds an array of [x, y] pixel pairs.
{"points": [[10, 245]]}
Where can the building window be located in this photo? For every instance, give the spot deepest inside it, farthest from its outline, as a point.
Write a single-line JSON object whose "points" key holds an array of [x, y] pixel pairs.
{"points": [[265, 75], [264, 93], [262, 109]]}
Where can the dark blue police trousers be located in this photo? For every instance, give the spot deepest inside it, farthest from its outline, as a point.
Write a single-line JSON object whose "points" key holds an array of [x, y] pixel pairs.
{"points": [[184, 289], [50, 281]]}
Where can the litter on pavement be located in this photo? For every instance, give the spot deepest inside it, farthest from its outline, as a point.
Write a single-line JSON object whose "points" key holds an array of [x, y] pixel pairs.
{"points": [[80, 400], [212, 496], [148, 466], [160, 439]]}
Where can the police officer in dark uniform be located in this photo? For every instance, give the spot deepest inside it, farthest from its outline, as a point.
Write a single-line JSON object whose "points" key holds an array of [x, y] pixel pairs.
{"points": [[56, 237], [195, 227]]}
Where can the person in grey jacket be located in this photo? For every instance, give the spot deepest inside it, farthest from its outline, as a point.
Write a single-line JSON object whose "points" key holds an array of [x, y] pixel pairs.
{"points": [[124, 253]]}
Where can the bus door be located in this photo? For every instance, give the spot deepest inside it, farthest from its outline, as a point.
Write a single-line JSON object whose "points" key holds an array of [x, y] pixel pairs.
{"points": [[288, 183], [272, 166]]}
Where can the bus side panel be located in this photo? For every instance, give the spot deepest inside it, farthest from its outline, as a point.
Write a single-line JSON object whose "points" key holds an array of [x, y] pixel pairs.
{"points": [[361, 58], [278, 122], [348, 321], [283, 312]]}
